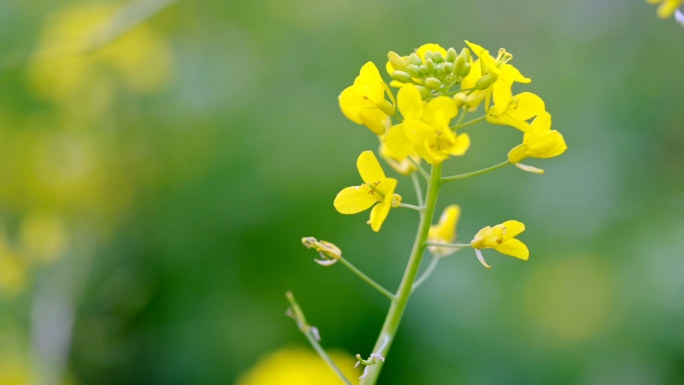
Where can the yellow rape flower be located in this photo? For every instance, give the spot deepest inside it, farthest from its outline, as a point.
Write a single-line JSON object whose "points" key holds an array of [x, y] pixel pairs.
{"points": [[502, 239], [496, 76], [539, 142], [667, 7], [518, 110], [445, 231], [425, 128], [377, 190], [364, 102]]}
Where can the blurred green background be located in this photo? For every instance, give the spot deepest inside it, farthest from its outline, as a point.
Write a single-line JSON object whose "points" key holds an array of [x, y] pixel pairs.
{"points": [[155, 191]]}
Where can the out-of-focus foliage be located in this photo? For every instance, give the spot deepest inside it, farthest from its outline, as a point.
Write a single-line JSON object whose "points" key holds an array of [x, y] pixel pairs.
{"points": [[155, 191]]}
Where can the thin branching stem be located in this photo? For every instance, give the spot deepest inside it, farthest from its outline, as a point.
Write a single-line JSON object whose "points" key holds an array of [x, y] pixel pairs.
{"points": [[419, 190], [367, 279], [420, 169], [449, 245], [426, 274], [468, 123], [412, 207], [475, 173]]}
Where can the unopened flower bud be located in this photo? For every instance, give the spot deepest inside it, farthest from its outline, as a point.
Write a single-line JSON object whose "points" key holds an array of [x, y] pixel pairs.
{"points": [[459, 65], [433, 83], [439, 69], [396, 200], [485, 81], [466, 70], [451, 55], [460, 99], [397, 61], [465, 52], [428, 56], [414, 59], [401, 76], [329, 252], [413, 70], [424, 92], [437, 57], [430, 66], [448, 67]]}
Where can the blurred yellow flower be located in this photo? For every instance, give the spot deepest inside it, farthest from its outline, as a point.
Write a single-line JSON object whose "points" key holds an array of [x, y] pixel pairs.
{"points": [[502, 239], [377, 190], [364, 102], [70, 71], [297, 366], [667, 7], [401, 165], [44, 237], [13, 269], [425, 128], [539, 142], [445, 231]]}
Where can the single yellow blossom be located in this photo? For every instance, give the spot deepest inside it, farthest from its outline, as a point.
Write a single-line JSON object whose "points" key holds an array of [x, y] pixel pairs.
{"points": [[401, 165], [519, 109], [667, 7], [425, 128], [377, 190], [364, 102], [539, 142], [502, 239], [445, 231]]}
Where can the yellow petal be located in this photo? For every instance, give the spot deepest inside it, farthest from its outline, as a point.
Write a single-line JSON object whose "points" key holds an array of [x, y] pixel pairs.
{"points": [[485, 59], [553, 145], [410, 103], [387, 187], [513, 228], [430, 47], [355, 199], [369, 75], [445, 231], [530, 169], [541, 123], [518, 153], [419, 132], [514, 248], [397, 143], [507, 120], [374, 119], [474, 75], [668, 8], [378, 216], [514, 74], [369, 167], [528, 106], [439, 111], [502, 96], [350, 104], [389, 68], [461, 145]]}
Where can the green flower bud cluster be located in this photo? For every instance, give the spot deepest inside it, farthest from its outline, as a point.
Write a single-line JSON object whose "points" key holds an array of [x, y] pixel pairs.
{"points": [[434, 72]]}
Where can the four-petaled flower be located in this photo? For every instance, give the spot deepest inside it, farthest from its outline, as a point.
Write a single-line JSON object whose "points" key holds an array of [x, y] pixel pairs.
{"points": [[445, 231], [425, 128], [364, 102], [539, 142], [377, 190], [502, 239]]}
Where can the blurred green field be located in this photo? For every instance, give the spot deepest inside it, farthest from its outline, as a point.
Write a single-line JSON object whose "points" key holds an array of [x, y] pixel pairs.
{"points": [[154, 193]]}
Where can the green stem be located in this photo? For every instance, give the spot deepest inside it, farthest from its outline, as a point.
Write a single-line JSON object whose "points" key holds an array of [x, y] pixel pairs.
{"points": [[419, 190], [420, 169], [366, 278], [475, 173], [449, 245], [468, 123], [396, 311], [412, 207], [297, 314], [426, 274]]}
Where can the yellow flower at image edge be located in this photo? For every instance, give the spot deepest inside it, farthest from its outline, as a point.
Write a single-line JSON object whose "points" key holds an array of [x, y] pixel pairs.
{"points": [[297, 366], [667, 7], [539, 142], [364, 102], [502, 239], [377, 190], [445, 231]]}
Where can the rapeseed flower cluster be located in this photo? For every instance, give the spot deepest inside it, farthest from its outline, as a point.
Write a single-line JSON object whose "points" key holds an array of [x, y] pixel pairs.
{"points": [[437, 87]]}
